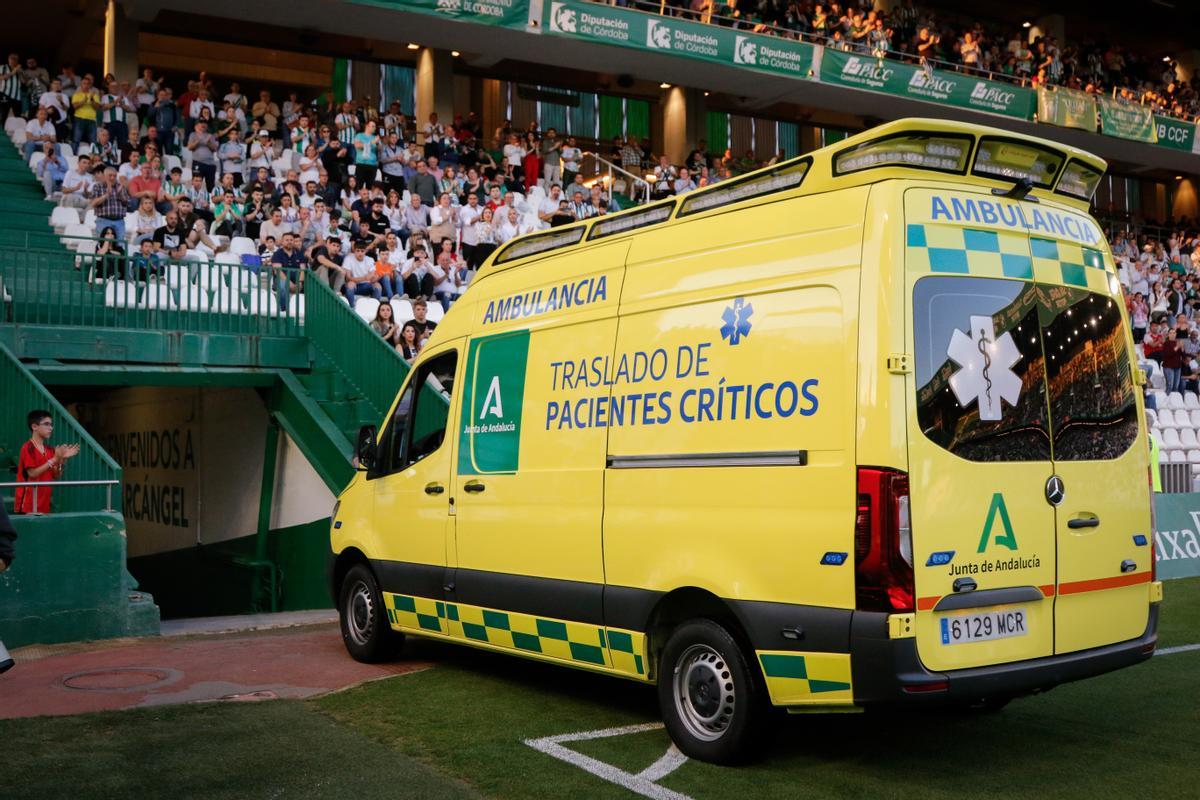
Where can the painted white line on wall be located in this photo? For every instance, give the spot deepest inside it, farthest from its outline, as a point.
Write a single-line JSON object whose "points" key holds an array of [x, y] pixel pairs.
{"points": [[1183, 648], [643, 783]]}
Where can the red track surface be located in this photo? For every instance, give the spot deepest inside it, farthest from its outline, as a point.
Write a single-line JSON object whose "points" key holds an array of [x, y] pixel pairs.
{"points": [[100, 676]]}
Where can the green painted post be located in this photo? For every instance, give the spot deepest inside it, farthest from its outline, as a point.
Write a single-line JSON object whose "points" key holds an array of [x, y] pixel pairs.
{"points": [[265, 501]]}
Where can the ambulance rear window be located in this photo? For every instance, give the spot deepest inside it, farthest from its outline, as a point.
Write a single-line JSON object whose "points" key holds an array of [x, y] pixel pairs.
{"points": [[1093, 411], [980, 369], [987, 352]]}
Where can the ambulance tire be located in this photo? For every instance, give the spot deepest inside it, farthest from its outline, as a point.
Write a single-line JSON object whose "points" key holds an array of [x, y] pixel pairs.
{"points": [[713, 703], [361, 612]]}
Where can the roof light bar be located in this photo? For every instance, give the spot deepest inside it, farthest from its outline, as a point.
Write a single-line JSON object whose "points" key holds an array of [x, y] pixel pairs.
{"points": [[540, 243], [624, 223], [785, 176], [1079, 180], [1011, 159], [943, 153]]}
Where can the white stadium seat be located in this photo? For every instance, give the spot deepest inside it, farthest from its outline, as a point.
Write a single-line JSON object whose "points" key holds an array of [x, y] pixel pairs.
{"points": [[1182, 419], [193, 298], [1187, 439], [1178, 457], [157, 296], [434, 312], [1170, 440], [1163, 457], [296, 306], [62, 216], [1175, 400], [240, 245], [75, 233], [401, 310], [262, 302], [36, 159], [120, 294], [367, 308], [1193, 456], [1151, 418], [1195, 417]]}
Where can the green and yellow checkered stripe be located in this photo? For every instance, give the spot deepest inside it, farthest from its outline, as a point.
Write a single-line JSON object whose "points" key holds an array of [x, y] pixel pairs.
{"points": [[573, 642], [952, 249], [797, 679]]}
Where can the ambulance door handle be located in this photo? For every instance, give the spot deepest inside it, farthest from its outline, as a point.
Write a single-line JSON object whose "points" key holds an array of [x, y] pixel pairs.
{"points": [[434, 488], [474, 487], [1084, 522]]}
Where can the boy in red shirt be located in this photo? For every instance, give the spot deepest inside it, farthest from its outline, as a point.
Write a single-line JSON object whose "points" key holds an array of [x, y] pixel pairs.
{"points": [[40, 463]]}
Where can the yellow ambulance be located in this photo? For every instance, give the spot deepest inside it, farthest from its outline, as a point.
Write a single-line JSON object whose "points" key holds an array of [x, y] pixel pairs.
{"points": [[862, 427]]}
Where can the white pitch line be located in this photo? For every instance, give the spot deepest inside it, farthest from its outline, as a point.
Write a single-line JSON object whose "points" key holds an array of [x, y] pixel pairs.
{"points": [[671, 761], [638, 784], [1183, 648]]}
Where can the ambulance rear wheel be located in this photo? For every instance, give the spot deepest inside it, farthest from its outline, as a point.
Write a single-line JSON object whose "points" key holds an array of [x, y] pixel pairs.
{"points": [[365, 629], [713, 705]]}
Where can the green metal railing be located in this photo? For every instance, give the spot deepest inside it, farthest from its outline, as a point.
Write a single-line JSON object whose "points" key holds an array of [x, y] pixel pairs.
{"points": [[20, 393], [58, 287], [365, 359]]}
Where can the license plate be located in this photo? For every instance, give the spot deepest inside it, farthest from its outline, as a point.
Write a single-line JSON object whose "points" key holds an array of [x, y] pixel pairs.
{"points": [[1003, 624]]}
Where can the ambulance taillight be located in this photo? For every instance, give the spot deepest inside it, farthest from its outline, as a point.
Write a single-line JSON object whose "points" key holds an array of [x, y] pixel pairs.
{"points": [[883, 571]]}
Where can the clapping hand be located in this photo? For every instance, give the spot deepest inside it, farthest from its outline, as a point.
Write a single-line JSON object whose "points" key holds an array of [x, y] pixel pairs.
{"points": [[64, 451]]}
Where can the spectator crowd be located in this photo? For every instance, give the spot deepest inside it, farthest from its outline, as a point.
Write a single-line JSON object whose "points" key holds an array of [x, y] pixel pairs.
{"points": [[954, 40], [1160, 278], [358, 195]]}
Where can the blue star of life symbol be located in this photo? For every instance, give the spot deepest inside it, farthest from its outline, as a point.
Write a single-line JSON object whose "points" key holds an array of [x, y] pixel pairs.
{"points": [[737, 321]]}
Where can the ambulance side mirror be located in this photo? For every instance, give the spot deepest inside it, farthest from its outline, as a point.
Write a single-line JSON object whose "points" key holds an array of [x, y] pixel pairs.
{"points": [[365, 449]]}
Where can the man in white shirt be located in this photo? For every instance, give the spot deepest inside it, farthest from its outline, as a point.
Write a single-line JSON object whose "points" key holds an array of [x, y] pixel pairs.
{"points": [[361, 277], [274, 228], [549, 206], [571, 156], [55, 101], [468, 215], [433, 132], [77, 184], [320, 217], [38, 131]]}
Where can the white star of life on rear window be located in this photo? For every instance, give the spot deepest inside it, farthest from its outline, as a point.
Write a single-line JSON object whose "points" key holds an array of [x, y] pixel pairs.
{"points": [[985, 373]]}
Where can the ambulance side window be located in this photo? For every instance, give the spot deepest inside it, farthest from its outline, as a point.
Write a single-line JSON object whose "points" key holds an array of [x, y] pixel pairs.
{"points": [[980, 368], [418, 425], [1092, 402]]}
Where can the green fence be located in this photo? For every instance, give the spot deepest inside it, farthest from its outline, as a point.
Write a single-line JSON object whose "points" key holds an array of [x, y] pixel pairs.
{"points": [[58, 287], [367, 361], [20, 393]]}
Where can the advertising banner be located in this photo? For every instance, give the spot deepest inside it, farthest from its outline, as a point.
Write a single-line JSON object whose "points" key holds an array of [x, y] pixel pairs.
{"points": [[909, 80], [1175, 133], [1127, 121], [613, 25], [1177, 538], [1066, 108], [504, 13]]}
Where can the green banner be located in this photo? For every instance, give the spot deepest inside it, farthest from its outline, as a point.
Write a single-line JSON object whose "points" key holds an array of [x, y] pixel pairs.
{"points": [[492, 404], [505, 13], [1127, 121], [919, 83], [1066, 108], [612, 25], [1175, 133], [1177, 535]]}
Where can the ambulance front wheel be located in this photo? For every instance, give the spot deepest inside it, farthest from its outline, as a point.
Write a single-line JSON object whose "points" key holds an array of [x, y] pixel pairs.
{"points": [[365, 628], [713, 705]]}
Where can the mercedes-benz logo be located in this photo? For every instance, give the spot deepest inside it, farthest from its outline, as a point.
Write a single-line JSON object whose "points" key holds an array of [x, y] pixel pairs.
{"points": [[1055, 491]]}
